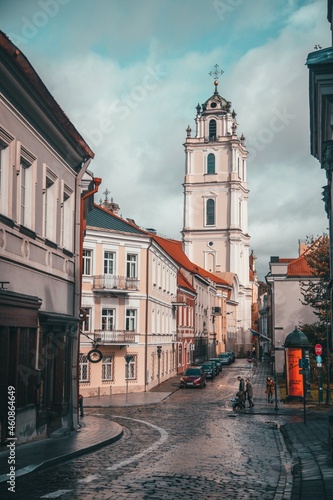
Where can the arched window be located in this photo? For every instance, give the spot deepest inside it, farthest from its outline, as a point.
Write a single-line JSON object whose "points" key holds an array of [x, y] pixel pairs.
{"points": [[211, 164], [212, 130], [210, 212]]}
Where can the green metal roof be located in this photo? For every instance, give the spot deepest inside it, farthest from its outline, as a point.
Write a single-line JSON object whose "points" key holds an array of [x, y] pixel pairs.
{"points": [[323, 56], [98, 217]]}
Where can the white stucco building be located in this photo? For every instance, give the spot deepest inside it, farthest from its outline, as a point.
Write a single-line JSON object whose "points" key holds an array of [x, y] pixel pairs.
{"points": [[287, 311], [215, 231]]}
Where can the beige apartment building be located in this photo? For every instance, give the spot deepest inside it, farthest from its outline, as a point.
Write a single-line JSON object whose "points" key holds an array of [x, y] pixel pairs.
{"points": [[129, 294]]}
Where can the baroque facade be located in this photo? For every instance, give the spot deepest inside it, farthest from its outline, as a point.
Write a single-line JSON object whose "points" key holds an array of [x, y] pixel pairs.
{"points": [[215, 230]]}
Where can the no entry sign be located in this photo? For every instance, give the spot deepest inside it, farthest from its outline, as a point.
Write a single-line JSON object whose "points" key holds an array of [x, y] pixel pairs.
{"points": [[318, 349]]}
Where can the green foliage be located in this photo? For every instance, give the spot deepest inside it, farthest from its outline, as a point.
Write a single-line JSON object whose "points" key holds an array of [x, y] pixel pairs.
{"points": [[315, 292]]}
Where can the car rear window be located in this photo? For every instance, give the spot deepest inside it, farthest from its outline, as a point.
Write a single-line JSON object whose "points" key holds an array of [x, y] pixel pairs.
{"points": [[192, 371]]}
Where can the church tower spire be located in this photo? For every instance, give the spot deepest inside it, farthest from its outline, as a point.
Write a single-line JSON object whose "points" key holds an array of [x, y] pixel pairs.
{"points": [[215, 229]]}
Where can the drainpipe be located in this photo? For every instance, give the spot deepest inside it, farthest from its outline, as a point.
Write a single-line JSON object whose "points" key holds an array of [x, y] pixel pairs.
{"points": [[80, 226], [146, 319]]}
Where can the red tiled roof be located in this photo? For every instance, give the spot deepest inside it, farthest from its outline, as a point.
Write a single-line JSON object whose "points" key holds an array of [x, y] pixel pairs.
{"points": [[174, 249], [183, 282], [299, 267]]}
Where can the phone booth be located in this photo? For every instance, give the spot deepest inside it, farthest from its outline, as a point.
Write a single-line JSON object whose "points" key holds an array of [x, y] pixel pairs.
{"points": [[297, 363]]}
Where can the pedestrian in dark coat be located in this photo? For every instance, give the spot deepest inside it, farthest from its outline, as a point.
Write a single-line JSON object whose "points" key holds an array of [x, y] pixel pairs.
{"points": [[270, 388], [241, 391], [249, 392]]}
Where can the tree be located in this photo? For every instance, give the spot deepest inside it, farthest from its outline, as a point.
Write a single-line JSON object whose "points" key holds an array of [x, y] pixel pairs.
{"points": [[316, 292]]}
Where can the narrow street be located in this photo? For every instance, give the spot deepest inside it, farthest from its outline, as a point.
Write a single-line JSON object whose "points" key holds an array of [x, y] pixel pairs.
{"points": [[190, 445]]}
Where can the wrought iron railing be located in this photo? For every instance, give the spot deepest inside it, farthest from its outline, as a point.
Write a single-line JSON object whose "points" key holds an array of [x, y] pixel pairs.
{"points": [[115, 336], [111, 282]]}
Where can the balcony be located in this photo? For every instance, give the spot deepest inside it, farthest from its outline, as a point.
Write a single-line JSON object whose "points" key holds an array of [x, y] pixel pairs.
{"points": [[115, 337], [117, 284]]}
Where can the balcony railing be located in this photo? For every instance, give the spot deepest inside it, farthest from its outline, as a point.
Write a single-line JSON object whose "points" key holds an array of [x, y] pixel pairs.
{"points": [[119, 283], [115, 337]]}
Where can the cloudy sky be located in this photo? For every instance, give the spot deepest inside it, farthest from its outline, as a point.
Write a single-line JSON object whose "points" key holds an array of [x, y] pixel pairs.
{"points": [[129, 74]]}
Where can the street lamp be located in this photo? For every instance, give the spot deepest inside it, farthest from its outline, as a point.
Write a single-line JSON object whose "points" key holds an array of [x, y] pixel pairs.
{"points": [[128, 359]]}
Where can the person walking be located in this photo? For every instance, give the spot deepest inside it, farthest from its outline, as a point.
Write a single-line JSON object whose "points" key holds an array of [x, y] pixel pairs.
{"points": [[249, 392], [270, 388], [241, 391]]}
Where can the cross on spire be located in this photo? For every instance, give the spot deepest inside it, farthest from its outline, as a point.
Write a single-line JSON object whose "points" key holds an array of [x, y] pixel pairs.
{"points": [[216, 74], [106, 192]]}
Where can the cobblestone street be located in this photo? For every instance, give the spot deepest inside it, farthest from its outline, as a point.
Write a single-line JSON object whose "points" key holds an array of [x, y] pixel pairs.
{"points": [[190, 445]]}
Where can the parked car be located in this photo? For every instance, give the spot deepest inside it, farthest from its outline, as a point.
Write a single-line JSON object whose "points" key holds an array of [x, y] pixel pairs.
{"points": [[193, 376], [209, 368], [226, 358], [233, 356], [217, 362]]}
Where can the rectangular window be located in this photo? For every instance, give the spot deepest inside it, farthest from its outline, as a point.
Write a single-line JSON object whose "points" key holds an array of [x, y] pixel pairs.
{"points": [[87, 322], [87, 262], [109, 262], [26, 188], [132, 266], [49, 209], [67, 219], [108, 318], [84, 368], [5, 184], [130, 369], [4, 174], [130, 320], [25, 191], [107, 367]]}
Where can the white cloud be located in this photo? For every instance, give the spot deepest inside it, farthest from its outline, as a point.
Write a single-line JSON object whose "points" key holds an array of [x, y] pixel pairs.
{"points": [[130, 76]]}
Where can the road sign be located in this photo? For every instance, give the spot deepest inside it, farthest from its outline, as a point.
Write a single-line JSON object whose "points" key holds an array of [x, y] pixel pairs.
{"points": [[318, 349], [318, 359], [319, 365]]}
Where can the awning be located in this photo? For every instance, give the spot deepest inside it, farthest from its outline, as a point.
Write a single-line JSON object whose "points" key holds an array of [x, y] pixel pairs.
{"points": [[258, 334]]}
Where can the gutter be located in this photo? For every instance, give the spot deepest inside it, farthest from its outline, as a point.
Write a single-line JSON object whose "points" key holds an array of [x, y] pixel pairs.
{"points": [[79, 235]]}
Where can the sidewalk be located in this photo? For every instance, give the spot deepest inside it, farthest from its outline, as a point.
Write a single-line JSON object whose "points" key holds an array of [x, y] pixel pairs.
{"points": [[307, 439], [93, 434], [307, 442]]}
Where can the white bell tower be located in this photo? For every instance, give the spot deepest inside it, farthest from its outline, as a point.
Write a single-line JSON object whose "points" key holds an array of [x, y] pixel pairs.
{"points": [[215, 232]]}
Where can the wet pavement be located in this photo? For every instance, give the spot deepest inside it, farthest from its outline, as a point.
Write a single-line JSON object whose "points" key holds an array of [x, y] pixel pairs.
{"points": [[290, 464]]}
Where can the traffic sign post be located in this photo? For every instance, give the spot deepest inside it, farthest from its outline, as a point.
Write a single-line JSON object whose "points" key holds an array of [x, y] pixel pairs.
{"points": [[318, 349]]}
